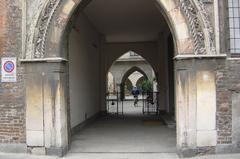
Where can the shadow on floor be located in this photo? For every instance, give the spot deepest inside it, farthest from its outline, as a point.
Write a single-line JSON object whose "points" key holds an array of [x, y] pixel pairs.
{"points": [[131, 133]]}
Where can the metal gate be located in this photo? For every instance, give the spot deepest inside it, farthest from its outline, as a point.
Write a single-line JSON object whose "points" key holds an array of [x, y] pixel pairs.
{"points": [[148, 101], [114, 103]]}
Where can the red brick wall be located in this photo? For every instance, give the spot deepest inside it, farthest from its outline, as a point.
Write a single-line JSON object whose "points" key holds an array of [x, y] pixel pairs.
{"points": [[228, 81], [12, 107], [3, 26]]}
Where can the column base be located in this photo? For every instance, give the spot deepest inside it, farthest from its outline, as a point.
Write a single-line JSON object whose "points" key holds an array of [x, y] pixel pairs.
{"points": [[57, 151], [186, 152]]}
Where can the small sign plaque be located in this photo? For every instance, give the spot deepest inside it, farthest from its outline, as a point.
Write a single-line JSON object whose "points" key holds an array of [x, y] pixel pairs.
{"points": [[9, 69]]}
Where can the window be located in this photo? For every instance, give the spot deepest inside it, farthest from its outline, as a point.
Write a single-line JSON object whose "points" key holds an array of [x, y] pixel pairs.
{"points": [[234, 26]]}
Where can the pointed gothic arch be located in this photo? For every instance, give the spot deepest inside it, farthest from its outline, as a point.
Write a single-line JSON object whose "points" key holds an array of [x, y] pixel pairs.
{"points": [[192, 35], [132, 70], [128, 73], [187, 19]]}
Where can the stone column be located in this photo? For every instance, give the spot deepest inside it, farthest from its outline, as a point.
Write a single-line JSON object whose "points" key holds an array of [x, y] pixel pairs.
{"points": [[196, 104], [185, 111], [47, 106]]}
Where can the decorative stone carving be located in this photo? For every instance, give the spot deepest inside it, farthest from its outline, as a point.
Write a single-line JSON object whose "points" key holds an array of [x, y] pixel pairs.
{"points": [[43, 25], [207, 27], [200, 26], [194, 10]]}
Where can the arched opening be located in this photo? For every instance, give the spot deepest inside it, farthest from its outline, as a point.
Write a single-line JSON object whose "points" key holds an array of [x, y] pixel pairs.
{"points": [[134, 78], [128, 86], [143, 45], [130, 71], [133, 74], [139, 73], [140, 81], [80, 43]]}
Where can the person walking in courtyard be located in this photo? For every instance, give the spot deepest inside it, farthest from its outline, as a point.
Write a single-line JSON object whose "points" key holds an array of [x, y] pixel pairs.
{"points": [[135, 93]]}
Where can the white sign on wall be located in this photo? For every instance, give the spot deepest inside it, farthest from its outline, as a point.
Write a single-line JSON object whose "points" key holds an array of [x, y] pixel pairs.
{"points": [[9, 69]]}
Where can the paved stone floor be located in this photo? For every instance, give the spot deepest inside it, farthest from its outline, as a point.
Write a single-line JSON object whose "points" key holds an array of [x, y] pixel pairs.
{"points": [[130, 133], [125, 134], [131, 136], [116, 156]]}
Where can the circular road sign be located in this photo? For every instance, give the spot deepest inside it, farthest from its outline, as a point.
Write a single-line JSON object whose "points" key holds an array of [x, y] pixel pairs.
{"points": [[8, 66]]}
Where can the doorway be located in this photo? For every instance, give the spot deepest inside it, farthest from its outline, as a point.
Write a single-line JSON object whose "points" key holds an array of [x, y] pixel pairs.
{"points": [[96, 41], [84, 36]]}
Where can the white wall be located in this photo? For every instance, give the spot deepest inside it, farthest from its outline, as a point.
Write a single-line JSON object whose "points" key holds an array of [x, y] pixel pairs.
{"points": [[84, 71]]}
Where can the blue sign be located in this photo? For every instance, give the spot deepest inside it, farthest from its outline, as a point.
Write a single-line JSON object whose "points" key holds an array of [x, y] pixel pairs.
{"points": [[9, 66]]}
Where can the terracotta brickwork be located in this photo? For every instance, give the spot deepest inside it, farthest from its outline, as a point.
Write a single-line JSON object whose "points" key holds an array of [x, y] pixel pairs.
{"points": [[12, 107], [227, 82]]}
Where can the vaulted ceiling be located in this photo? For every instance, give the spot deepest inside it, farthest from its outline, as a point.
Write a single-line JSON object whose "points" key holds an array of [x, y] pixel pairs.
{"points": [[126, 20]]}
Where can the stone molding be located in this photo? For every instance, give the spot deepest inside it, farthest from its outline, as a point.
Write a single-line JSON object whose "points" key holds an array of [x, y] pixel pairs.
{"points": [[54, 60], [183, 57], [200, 26], [43, 26], [194, 11]]}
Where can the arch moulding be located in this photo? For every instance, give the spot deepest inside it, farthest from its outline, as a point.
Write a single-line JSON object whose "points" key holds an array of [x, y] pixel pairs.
{"points": [[187, 19], [131, 70]]}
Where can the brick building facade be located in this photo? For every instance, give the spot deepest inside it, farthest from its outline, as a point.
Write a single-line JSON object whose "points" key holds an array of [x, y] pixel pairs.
{"points": [[35, 31]]}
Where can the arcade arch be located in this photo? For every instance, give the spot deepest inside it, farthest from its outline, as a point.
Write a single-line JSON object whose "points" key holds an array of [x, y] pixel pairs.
{"points": [[56, 48]]}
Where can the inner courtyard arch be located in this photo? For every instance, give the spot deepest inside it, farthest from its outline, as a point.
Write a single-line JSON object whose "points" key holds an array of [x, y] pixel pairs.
{"points": [[140, 81], [132, 70]]}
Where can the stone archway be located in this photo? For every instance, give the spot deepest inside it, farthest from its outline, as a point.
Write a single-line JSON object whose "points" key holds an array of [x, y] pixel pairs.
{"points": [[193, 38], [140, 80], [131, 70], [188, 21], [128, 73]]}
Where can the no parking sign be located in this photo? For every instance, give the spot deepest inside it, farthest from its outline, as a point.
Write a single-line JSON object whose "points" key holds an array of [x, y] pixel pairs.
{"points": [[9, 69]]}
